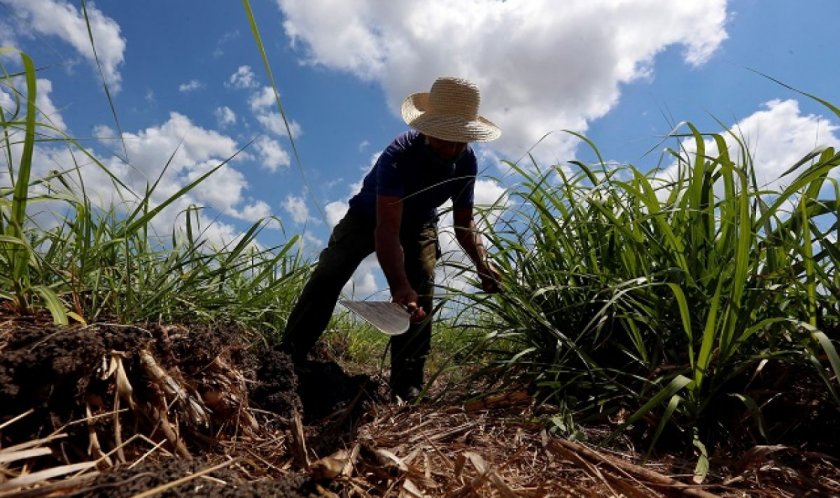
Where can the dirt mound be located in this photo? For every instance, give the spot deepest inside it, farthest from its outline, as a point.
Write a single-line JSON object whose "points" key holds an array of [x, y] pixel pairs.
{"points": [[189, 387]]}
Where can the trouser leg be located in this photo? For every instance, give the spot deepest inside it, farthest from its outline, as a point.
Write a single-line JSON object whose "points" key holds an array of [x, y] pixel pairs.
{"points": [[409, 351], [352, 240]]}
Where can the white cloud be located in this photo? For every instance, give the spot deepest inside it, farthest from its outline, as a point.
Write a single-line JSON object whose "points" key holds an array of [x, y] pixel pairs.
{"points": [[7, 103], [153, 146], [541, 66], [261, 99], [364, 284], [223, 41], [190, 151], [48, 113], [63, 20], [780, 135], [223, 190], [488, 192], [225, 116], [255, 212], [263, 104], [271, 153], [190, 86], [296, 207], [335, 211], [7, 34], [309, 244], [242, 78], [104, 133], [776, 137]]}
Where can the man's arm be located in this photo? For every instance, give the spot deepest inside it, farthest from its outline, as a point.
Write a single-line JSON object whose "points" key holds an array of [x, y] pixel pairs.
{"points": [[470, 241], [389, 251]]}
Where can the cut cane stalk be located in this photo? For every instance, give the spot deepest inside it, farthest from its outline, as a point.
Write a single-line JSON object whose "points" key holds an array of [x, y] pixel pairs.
{"points": [[13, 456], [169, 431], [123, 390], [196, 411], [44, 475], [94, 448]]}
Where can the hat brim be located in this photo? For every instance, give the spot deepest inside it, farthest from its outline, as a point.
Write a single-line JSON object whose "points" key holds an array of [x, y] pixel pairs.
{"points": [[444, 127]]}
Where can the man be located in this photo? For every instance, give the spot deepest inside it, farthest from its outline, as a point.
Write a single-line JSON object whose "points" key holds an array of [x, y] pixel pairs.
{"points": [[395, 215]]}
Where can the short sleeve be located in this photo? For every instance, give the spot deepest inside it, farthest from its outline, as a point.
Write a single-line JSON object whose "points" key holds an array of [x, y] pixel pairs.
{"points": [[389, 179], [463, 196]]}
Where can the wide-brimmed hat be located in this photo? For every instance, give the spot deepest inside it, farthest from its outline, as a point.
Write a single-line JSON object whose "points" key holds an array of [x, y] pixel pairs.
{"points": [[449, 112]]}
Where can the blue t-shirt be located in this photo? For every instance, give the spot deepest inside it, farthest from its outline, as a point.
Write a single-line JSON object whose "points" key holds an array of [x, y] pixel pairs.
{"points": [[408, 169]]}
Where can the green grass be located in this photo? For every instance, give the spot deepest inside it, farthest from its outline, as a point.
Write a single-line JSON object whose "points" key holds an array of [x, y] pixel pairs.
{"points": [[107, 263], [662, 294]]}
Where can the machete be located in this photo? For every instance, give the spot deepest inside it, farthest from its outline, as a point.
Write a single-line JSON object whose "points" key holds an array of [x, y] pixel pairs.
{"points": [[390, 318]]}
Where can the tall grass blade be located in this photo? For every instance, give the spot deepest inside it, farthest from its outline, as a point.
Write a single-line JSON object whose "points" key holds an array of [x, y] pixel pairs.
{"points": [[104, 81], [255, 31]]}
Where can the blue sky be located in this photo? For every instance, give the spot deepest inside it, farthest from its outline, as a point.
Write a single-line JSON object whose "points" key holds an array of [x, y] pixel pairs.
{"points": [[187, 76]]}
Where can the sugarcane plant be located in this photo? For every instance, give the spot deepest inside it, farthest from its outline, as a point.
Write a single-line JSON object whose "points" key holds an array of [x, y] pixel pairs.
{"points": [[654, 295], [87, 261]]}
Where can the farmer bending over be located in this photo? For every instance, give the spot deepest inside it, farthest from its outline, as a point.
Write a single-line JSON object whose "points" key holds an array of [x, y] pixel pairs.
{"points": [[395, 214]]}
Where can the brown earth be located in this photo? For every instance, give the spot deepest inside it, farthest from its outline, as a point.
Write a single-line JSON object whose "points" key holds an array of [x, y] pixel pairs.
{"points": [[169, 410]]}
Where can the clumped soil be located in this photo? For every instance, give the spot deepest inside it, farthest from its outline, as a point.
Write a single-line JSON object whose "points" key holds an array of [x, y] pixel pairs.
{"points": [[198, 390], [200, 410]]}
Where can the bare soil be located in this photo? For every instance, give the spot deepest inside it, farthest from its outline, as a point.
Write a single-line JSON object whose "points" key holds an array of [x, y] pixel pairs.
{"points": [[171, 410]]}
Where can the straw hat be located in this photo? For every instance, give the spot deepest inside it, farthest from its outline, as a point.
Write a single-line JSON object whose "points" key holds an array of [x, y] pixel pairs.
{"points": [[449, 112]]}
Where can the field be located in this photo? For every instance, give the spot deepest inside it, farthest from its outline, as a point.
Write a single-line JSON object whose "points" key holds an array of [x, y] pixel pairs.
{"points": [[121, 410], [664, 332]]}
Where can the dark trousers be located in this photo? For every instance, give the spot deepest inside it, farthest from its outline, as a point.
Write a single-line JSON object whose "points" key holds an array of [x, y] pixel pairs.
{"points": [[352, 240]]}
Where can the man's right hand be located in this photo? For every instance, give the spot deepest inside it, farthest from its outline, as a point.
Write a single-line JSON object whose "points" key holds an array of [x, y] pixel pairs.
{"points": [[407, 298], [490, 278]]}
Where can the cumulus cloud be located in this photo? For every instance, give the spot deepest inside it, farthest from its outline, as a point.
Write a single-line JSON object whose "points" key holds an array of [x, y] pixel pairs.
{"points": [[488, 193], [189, 150], [242, 78], [224, 41], [263, 104], [335, 211], [7, 34], [63, 20], [296, 207], [48, 113], [190, 86], [225, 116], [272, 155], [255, 211], [364, 284], [7, 102], [194, 144], [780, 135], [592, 47], [776, 137]]}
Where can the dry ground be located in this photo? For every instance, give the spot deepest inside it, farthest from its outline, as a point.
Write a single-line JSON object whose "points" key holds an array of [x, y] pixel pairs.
{"points": [[168, 410]]}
